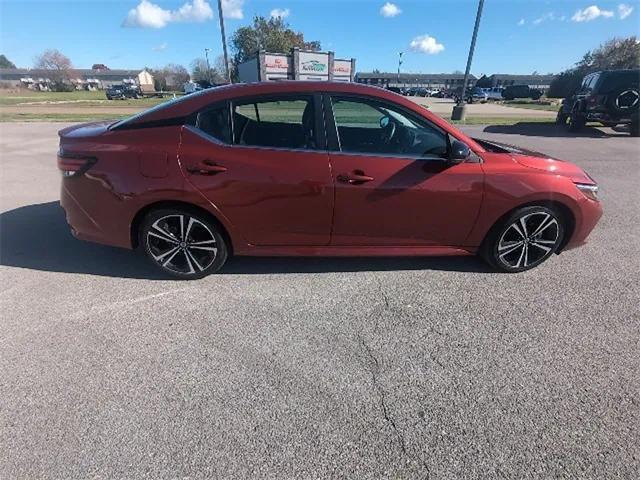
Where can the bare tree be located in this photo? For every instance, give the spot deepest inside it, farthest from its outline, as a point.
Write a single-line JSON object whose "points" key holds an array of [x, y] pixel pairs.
{"points": [[201, 73], [57, 64]]}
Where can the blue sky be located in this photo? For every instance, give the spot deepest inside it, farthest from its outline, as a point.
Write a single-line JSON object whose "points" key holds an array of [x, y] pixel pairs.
{"points": [[516, 36]]}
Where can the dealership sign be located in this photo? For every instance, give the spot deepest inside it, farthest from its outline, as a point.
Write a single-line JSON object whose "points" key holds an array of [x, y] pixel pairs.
{"points": [[277, 63], [342, 68], [313, 64]]}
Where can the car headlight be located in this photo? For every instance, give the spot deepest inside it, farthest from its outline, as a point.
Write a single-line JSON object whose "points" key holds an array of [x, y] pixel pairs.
{"points": [[589, 190]]}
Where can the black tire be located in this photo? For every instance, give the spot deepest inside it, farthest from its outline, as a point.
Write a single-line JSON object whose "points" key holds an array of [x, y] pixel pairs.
{"points": [[561, 118], [500, 249], [183, 243], [577, 121], [625, 100], [634, 128]]}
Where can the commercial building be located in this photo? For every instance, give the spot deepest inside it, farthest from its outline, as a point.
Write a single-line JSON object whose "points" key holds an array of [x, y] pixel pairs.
{"points": [[297, 65], [429, 80], [82, 79], [542, 82]]}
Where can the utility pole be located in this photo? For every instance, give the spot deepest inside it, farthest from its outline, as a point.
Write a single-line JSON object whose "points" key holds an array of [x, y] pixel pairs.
{"points": [[206, 54], [399, 64], [458, 110], [224, 42]]}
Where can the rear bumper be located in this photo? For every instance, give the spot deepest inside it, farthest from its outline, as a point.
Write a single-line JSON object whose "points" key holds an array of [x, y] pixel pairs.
{"points": [[86, 218], [605, 117]]}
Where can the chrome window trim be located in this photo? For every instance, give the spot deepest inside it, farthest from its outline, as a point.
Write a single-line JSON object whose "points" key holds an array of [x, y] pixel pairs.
{"points": [[205, 135]]}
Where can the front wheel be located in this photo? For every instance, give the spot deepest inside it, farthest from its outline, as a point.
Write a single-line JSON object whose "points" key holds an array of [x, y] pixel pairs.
{"points": [[183, 243], [561, 118], [577, 121], [525, 239]]}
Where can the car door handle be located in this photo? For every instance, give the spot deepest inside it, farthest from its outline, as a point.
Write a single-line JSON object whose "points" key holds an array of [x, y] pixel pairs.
{"points": [[355, 178], [207, 167]]}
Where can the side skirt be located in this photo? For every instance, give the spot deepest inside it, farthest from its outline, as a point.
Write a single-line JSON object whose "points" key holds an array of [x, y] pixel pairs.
{"points": [[346, 251]]}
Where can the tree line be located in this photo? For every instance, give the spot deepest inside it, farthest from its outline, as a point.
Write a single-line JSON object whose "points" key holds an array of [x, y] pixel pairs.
{"points": [[272, 35]]}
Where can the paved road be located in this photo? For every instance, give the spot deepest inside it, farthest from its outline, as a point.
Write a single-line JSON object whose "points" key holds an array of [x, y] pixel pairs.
{"points": [[440, 106], [444, 106], [290, 368]]}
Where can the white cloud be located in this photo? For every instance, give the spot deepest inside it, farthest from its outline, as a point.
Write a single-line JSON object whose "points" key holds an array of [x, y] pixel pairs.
{"points": [[521, 22], [147, 15], [591, 13], [624, 10], [150, 15], [426, 44], [547, 17], [161, 47], [280, 13], [390, 10], [198, 11], [233, 9]]}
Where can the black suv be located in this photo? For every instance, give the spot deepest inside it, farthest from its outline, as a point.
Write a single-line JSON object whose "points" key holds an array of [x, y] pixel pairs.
{"points": [[521, 91], [121, 92], [609, 97]]}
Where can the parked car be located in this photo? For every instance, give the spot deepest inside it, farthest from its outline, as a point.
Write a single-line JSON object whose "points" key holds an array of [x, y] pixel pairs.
{"points": [[472, 94], [512, 92], [494, 93], [123, 91], [314, 169], [191, 87], [440, 94], [609, 97]]}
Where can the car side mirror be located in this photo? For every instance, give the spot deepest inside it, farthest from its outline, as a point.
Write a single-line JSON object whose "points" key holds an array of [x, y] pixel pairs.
{"points": [[460, 152]]}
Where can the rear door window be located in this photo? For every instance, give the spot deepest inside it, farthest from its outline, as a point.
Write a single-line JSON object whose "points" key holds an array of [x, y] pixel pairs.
{"points": [[287, 122], [214, 122]]}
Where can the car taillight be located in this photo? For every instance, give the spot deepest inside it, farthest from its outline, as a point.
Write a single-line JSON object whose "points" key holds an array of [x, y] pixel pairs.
{"points": [[73, 165]]}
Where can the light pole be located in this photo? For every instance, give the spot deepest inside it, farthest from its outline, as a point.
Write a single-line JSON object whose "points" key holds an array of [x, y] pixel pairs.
{"points": [[458, 110], [206, 54], [399, 64], [224, 42]]}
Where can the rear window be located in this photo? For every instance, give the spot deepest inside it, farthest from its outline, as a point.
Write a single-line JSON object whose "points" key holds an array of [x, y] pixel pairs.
{"points": [[157, 108]]}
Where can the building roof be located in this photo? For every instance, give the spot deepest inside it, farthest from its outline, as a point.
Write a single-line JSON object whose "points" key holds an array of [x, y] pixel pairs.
{"points": [[18, 73], [406, 77], [522, 78]]}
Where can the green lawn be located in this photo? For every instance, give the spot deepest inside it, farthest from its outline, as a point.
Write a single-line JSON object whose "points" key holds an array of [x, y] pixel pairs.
{"points": [[532, 105], [78, 97], [58, 117]]}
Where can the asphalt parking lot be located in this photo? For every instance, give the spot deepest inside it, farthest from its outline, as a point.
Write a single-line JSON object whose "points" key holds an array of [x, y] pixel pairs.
{"points": [[302, 368]]}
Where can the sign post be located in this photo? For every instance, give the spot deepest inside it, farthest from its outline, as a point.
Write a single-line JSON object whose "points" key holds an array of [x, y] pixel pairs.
{"points": [[224, 43], [459, 110]]}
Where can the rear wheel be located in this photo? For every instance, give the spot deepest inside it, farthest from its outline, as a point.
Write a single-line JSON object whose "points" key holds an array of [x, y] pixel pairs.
{"points": [[525, 239], [634, 128], [183, 243]]}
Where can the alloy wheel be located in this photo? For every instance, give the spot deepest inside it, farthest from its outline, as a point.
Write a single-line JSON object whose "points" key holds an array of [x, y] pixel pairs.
{"points": [[181, 244], [529, 240]]}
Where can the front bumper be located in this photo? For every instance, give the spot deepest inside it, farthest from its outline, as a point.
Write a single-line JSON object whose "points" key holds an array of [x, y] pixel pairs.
{"points": [[590, 212]]}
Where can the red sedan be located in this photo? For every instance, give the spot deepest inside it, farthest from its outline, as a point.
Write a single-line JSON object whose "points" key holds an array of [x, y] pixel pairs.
{"points": [[314, 169]]}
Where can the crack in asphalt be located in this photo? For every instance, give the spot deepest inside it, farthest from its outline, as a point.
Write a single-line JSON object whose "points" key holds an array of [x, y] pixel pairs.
{"points": [[381, 394], [374, 369]]}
